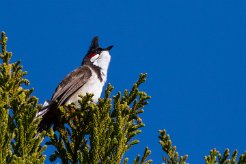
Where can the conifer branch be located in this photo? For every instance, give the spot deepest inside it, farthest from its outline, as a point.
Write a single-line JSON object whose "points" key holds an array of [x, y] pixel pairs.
{"points": [[170, 150], [242, 158], [216, 158], [143, 160], [17, 114]]}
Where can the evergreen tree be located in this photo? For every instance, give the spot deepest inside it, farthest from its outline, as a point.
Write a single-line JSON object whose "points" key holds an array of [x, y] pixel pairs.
{"points": [[17, 114], [91, 133]]}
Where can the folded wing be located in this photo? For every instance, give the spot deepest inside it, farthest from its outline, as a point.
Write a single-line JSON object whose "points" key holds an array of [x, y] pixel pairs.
{"points": [[71, 83]]}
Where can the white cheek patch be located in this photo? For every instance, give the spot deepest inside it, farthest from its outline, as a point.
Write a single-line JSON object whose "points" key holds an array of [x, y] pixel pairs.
{"points": [[94, 58]]}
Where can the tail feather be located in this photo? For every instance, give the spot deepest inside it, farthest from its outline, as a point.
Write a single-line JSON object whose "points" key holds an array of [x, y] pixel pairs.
{"points": [[48, 116], [44, 110]]}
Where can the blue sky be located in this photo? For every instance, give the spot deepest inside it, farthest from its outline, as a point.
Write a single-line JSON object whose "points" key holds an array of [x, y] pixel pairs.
{"points": [[193, 51]]}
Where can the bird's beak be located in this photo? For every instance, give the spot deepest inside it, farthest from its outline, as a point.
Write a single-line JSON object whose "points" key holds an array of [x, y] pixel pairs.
{"points": [[109, 48]]}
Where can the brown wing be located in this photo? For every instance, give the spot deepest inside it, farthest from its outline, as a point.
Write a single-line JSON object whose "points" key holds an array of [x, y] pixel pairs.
{"points": [[71, 83]]}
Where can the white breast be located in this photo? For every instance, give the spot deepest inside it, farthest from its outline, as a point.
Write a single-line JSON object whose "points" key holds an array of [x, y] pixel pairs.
{"points": [[93, 85]]}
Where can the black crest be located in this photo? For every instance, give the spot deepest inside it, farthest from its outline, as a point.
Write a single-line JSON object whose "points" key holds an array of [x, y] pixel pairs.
{"points": [[94, 44]]}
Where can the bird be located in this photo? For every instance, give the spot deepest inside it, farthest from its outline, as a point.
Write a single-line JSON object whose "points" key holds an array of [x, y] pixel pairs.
{"points": [[89, 77]]}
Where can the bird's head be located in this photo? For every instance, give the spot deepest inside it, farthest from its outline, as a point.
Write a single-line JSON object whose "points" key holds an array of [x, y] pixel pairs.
{"points": [[96, 55]]}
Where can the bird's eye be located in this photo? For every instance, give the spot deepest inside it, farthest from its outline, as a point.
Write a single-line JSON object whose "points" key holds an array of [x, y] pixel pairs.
{"points": [[98, 51]]}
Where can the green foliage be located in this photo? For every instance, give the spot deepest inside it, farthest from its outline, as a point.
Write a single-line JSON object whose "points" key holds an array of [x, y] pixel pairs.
{"points": [[137, 160], [17, 114], [170, 150], [216, 158], [102, 132]]}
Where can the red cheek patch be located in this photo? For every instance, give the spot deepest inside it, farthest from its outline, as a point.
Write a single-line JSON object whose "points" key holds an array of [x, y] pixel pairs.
{"points": [[91, 55]]}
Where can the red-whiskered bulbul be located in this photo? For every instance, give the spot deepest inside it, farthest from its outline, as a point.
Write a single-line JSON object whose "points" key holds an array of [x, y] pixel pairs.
{"points": [[90, 77]]}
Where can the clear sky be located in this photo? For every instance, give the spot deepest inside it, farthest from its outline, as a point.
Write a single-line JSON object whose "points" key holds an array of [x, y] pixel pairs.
{"points": [[194, 52]]}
